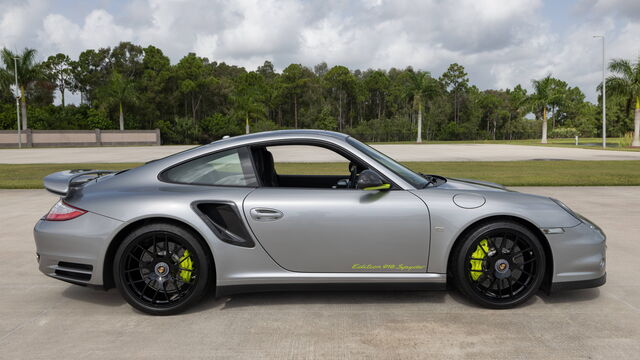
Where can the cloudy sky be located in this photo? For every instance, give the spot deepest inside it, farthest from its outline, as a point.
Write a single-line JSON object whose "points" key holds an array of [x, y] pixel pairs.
{"points": [[501, 43]]}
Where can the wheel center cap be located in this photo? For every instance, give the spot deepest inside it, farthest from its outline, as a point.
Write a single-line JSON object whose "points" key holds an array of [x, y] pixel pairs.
{"points": [[161, 269], [502, 268]]}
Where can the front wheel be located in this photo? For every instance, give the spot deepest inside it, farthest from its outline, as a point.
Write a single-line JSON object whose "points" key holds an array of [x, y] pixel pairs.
{"points": [[499, 265], [161, 269]]}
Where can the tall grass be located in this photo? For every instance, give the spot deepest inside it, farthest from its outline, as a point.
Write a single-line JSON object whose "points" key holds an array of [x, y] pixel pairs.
{"points": [[626, 140]]}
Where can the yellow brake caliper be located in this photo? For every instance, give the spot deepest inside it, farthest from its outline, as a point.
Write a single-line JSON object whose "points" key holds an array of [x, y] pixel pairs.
{"points": [[478, 254], [187, 264]]}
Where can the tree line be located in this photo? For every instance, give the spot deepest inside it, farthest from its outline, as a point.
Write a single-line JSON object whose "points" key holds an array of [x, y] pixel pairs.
{"points": [[198, 100]]}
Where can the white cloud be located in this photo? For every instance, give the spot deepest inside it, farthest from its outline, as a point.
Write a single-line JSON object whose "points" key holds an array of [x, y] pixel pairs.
{"points": [[258, 30], [59, 34], [18, 19], [501, 43]]}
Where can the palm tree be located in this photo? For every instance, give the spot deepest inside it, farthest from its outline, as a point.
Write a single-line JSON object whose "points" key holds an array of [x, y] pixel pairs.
{"points": [[540, 100], [422, 88], [118, 90], [29, 71], [418, 84], [626, 84]]}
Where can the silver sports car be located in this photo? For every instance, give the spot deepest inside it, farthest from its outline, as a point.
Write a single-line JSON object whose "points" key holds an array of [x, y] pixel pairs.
{"points": [[220, 216]]}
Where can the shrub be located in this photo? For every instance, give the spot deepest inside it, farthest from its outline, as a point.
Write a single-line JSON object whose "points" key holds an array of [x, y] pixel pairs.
{"points": [[567, 132], [97, 119], [264, 125], [325, 121], [180, 131], [395, 129], [452, 131], [626, 140], [218, 125], [8, 117]]}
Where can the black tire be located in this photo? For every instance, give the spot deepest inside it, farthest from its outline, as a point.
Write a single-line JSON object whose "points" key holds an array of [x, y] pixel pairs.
{"points": [[166, 283], [502, 279]]}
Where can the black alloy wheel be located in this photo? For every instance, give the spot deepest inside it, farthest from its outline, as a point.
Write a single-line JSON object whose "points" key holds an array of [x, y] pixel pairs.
{"points": [[499, 265], [161, 269]]}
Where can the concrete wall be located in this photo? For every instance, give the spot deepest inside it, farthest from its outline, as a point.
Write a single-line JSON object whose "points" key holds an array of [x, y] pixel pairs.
{"points": [[66, 138], [11, 138]]}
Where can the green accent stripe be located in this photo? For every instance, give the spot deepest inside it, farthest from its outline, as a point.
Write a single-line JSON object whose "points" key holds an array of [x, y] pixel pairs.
{"points": [[381, 187]]}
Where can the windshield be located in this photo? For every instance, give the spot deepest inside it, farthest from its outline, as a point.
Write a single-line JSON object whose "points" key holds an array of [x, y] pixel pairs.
{"points": [[407, 175]]}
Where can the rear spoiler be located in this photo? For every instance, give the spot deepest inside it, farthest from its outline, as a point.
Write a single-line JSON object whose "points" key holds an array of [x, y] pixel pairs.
{"points": [[61, 182]]}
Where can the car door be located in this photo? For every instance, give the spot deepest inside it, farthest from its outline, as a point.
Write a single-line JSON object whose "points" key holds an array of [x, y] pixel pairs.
{"points": [[332, 230], [340, 230]]}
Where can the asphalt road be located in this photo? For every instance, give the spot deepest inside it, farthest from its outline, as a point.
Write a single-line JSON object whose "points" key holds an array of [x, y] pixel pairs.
{"points": [[45, 318], [400, 152]]}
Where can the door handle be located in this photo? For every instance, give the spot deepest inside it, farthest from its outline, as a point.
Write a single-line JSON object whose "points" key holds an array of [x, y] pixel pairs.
{"points": [[264, 214]]}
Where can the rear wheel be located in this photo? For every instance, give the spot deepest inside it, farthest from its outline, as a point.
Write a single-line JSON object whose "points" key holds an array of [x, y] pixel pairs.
{"points": [[499, 265], [161, 269]]}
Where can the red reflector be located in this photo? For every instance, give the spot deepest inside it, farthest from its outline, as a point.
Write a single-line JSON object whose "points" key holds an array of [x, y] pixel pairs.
{"points": [[62, 211]]}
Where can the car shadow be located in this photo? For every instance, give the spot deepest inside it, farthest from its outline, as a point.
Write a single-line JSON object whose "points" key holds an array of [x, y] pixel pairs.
{"points": [[110, 297], [570, 296], [264, 299], [113, 298], [463, 300]]}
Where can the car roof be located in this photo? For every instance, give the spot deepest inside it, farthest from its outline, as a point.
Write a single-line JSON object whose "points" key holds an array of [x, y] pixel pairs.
{"points": [[278, 137], [279, 134], [243, 140]]}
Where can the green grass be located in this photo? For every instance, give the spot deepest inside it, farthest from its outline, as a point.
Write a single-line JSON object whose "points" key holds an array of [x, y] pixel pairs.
{"points": [[584, 143], [539, 173], [29, 176], [509, 173]]}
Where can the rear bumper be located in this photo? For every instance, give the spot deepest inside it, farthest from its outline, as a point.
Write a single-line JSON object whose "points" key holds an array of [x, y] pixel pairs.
{"points": [[74, 250]]}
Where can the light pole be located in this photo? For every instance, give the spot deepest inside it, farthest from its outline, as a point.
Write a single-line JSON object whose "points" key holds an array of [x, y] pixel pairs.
{"points": [[15, 72], [604, 93]]}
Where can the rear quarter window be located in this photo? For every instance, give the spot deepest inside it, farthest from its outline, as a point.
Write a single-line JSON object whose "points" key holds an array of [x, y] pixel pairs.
{"points": [[226, 168]]}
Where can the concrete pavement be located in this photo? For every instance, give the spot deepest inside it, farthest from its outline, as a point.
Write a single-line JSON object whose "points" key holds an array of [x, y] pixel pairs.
{"points": [[45, 318], [400, 152]]}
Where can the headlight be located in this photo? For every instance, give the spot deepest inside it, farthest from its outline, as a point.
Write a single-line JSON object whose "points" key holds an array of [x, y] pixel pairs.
{"points": [[567, 209], [580, 218], [592, 225]]}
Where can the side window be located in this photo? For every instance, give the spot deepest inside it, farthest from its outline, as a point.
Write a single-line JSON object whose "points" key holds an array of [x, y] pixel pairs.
{"points": [[308, 160], [226, 168]]}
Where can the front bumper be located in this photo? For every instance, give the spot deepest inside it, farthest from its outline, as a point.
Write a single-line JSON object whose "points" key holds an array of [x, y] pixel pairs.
{"points": [[579, 257], [74, 250], [580, 284]]}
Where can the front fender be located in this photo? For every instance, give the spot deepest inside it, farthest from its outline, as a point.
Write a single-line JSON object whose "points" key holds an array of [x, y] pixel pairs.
{"points": [[449, 220]]}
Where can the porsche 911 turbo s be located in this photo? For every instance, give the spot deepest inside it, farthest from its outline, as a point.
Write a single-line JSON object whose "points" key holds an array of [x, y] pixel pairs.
{"points": [[228, 216]]}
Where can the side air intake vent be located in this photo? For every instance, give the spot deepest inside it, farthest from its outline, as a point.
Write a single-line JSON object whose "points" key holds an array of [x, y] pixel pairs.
{"points": [[225, 221]]}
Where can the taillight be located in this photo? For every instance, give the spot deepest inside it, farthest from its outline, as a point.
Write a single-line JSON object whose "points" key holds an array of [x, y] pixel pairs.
{"points": [[62, 211]]}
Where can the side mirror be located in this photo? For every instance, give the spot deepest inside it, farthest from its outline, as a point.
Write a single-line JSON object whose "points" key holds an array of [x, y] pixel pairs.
{"points": [[370, 180]]}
